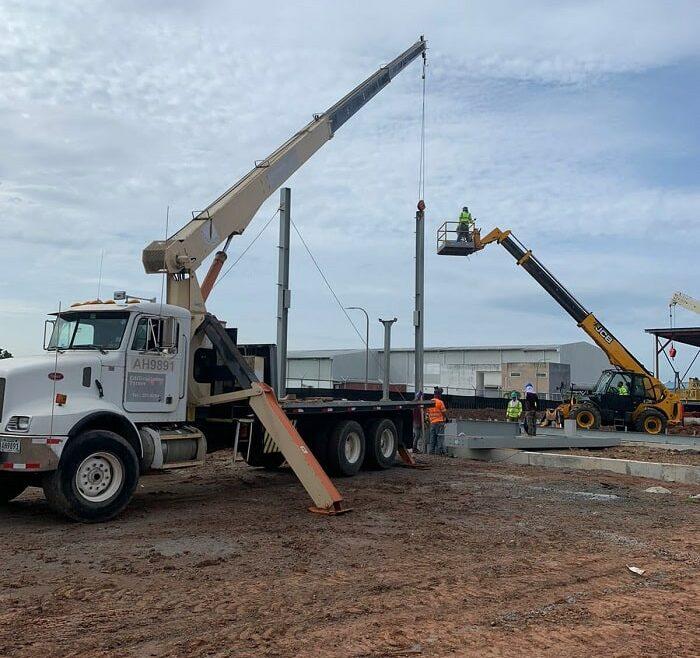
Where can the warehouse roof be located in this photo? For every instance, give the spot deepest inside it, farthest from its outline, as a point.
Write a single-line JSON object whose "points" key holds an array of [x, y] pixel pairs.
{"points": [[329, 354]]}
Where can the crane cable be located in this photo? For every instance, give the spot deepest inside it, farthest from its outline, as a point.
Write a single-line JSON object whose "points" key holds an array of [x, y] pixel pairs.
{"points": [[421, 169], [327, 282]]}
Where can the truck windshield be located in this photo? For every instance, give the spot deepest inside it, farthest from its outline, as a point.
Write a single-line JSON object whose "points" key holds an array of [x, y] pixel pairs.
{"points": [[84, 330]]}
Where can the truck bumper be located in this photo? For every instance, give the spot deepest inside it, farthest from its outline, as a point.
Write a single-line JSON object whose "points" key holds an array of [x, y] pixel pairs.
{"points": [[30, 453]]}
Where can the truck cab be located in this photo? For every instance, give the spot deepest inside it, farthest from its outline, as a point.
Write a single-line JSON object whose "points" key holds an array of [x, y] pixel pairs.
{"points": [[115, 373]]}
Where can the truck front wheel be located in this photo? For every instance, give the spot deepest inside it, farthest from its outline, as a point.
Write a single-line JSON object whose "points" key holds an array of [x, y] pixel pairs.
{"points": [[95, 479], [11, 486]]}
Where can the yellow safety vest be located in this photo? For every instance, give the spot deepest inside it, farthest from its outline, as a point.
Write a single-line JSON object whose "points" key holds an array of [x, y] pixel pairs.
{"points": [[465, 218], [515, 409]]}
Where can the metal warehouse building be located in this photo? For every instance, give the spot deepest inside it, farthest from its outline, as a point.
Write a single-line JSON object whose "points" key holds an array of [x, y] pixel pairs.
{"points": [[460, 370]]}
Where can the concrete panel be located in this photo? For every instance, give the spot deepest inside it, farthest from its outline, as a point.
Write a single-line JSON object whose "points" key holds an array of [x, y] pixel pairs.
{"points": [[651, 470]]}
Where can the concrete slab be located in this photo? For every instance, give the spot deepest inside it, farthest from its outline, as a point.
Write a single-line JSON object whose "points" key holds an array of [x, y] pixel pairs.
{"points": [[485, 435], [630, 437], [530, 442], [652, 470]]}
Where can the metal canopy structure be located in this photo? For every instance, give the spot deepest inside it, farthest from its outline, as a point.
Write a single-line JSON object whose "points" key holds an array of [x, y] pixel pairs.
{"points": [[685, 335], [664, 336]]}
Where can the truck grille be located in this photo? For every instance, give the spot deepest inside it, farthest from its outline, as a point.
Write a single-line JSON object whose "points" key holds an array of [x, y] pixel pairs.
{"points": [[2, 394]]}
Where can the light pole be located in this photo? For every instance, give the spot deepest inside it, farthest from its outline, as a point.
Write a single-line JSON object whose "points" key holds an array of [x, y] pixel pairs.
{"points": [[359, 308], [386, 380]]}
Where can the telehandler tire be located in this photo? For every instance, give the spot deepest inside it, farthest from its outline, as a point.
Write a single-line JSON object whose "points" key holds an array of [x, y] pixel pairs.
{"points": [[11, 486], [651, 421], [95, 478], [586, 415]]}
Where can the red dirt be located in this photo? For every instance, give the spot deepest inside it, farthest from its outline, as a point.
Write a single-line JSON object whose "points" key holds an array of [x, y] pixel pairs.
{"points": [[642, 453], [463, 559]]}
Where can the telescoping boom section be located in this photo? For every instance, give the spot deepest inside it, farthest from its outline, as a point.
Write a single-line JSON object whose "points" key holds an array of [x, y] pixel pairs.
{"points": [[231, 213]]}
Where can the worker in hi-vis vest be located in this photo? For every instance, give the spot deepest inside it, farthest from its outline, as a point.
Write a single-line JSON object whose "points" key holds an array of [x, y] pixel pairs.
{"points": [[465, 224], [437, 415], [514, 409], [622, 389]]}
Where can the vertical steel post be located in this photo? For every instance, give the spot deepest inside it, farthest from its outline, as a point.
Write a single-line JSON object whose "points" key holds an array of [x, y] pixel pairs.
{"points": [[387, 357], [656, 357], [419, 301], [284, 294]]}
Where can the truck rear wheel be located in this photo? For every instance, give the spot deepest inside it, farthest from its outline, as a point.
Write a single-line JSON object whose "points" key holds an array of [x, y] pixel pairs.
{"points": [[11, 486], [95, 479], [651, 422], [586, 415], [382, 444], [346, 448]]}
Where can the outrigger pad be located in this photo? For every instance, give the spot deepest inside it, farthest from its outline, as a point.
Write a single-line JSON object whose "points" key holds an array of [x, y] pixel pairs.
{"points": [[335, 510]]}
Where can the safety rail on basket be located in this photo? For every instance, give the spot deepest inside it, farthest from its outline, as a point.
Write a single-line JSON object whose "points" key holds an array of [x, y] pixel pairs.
{"points": [[455, 241]]}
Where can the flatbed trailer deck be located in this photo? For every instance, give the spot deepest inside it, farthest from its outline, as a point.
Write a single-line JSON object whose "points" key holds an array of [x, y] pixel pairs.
{"points": [[344, 435]]}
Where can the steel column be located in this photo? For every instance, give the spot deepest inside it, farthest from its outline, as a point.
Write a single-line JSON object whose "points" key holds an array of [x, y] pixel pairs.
{"points": [[386, 379], [419, 300], [284, 294]]}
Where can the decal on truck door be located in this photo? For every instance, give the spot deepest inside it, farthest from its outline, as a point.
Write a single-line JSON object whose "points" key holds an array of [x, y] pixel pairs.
{"points": [[145, 387], [153, 363]]}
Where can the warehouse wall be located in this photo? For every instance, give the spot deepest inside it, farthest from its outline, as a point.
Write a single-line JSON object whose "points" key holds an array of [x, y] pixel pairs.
{"points": [[587, 362]]}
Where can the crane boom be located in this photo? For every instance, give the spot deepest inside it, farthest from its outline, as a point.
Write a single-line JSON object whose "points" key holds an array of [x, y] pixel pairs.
{"points": [[233, 211], [686, 301]]}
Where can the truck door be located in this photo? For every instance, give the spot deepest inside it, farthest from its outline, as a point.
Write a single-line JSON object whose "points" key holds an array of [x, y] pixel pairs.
{"points": [[154, 366]]}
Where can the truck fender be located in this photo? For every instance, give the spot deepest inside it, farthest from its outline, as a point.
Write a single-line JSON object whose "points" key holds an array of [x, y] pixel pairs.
{"points": [[113, 422]]}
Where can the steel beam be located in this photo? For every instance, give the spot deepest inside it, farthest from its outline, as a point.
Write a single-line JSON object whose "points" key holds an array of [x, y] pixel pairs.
{"points": [[284, 294]]}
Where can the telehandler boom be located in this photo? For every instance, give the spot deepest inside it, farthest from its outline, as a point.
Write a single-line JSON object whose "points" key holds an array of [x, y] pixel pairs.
{"points": [[647, 406]]}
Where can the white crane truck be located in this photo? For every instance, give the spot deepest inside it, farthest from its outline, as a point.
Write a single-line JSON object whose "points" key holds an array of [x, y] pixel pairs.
{"points": [[127, 388]]}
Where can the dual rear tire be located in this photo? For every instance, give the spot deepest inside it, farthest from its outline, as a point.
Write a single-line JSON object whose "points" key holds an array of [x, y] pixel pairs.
{"points": [[349, 446]]}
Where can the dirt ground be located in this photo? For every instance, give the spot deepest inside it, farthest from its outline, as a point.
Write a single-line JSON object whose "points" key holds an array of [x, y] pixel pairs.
{"points": [[462, 559], [641, 453]]}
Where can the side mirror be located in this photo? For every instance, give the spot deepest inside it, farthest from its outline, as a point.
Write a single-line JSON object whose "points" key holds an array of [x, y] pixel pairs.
{"points": [[48, 334], [119, 295]]}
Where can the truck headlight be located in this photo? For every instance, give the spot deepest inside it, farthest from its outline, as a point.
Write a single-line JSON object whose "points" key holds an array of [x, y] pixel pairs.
{"points": [[18, 424]]}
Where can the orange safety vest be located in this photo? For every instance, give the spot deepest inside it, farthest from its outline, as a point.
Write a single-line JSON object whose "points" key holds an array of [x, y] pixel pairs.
{"points": [[436, 414]]}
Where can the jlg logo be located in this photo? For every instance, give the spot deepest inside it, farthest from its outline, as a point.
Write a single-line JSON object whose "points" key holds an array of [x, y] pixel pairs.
{"points": [[607, 337]]}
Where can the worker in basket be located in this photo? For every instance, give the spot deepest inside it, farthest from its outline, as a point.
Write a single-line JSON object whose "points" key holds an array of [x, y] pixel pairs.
{"points": [[465, 225], [514, 409]]}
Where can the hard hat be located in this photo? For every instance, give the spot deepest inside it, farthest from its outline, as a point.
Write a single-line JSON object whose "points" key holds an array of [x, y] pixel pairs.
{"points": [[465, 208], [514, 395]]}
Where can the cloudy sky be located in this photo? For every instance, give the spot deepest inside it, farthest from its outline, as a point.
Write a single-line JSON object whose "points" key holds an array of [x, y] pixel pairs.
{"points": [[573, 123]]}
